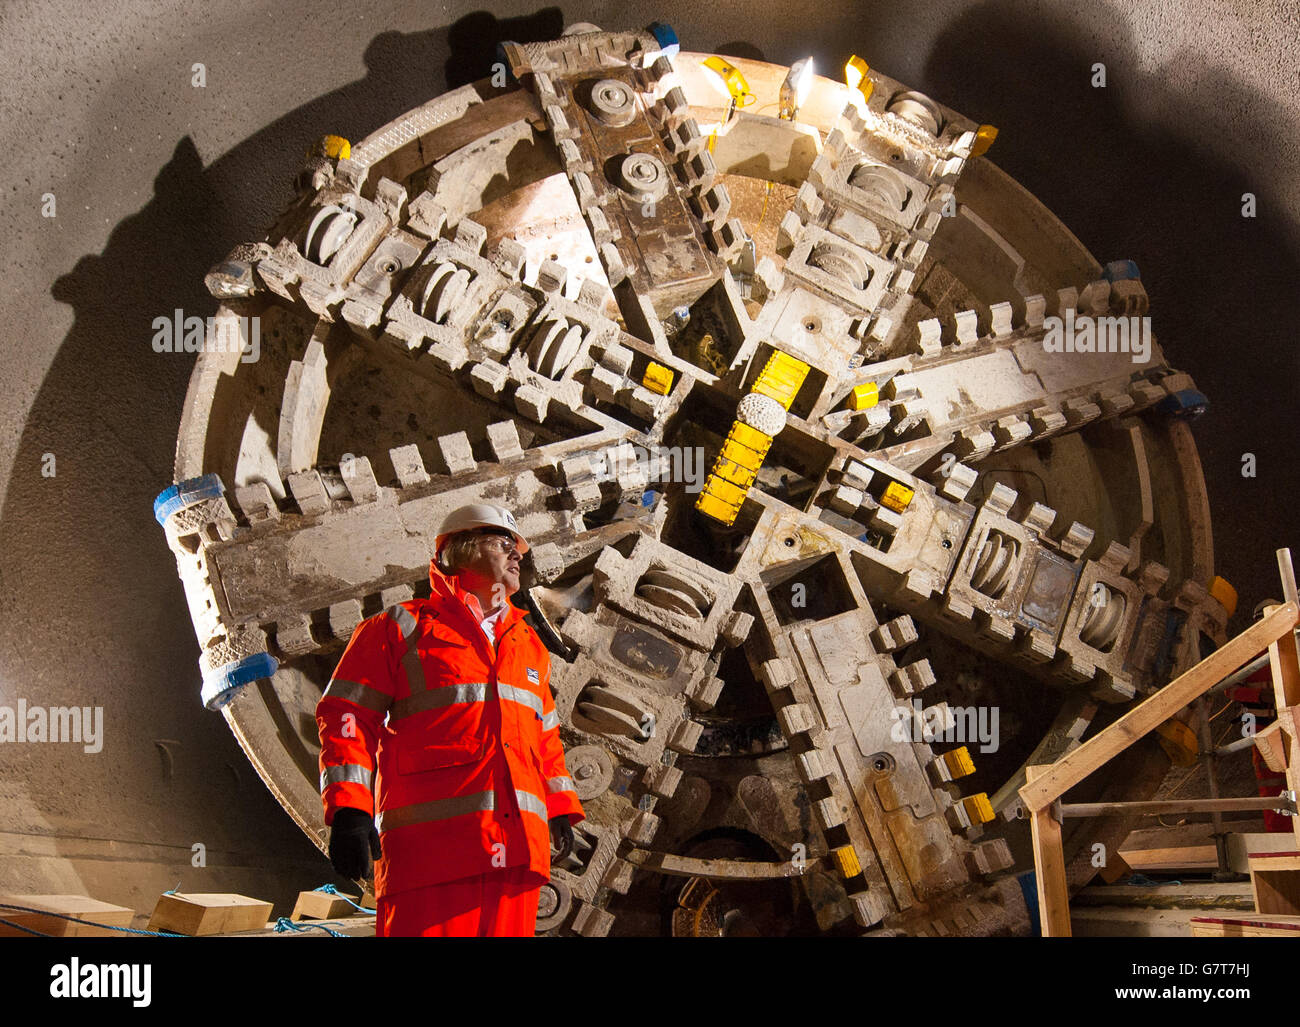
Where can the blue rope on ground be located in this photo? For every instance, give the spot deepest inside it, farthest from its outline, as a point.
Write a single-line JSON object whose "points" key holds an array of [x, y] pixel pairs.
{"points": [[20, 927], [329, 889], [88, 923], [285, 924], [1146, 882]]}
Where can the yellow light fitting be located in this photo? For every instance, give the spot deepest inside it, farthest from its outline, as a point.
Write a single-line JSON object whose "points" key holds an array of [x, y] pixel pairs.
{"points": [[731, 78], [855, 75]]}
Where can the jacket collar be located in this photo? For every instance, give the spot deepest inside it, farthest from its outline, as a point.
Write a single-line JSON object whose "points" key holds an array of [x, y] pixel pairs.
{"points": [[446, 588]]}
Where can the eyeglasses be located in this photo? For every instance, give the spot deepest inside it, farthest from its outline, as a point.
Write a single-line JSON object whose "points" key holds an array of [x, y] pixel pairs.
{"points": [[499, 543]]}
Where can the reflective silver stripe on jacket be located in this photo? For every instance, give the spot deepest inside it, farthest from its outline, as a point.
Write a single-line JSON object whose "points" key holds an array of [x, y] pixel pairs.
{"points": [[563, 783], [438, 809], [550, 721], [355, 692], [406, 623], [353, 772], [405, 619], [530, 803], [520, 695], [470, 691]]}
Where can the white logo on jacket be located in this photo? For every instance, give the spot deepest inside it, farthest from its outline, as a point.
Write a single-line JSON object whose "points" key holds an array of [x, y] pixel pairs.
{"points": [[532, 676]]}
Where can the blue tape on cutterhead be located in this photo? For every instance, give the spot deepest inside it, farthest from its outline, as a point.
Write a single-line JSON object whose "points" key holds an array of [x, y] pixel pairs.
{"points": [[1120, 270], [223, 684], [186, 493], [1186, 403], [665, 37]]}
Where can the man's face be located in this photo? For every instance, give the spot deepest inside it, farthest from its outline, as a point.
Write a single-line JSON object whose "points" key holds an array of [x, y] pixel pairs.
{"points": [[490, 568]]}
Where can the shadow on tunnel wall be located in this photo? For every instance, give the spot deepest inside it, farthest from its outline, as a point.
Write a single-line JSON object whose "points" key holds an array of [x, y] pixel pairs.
{"points": [[170, 772], [1220, 288], [1221, 285]]}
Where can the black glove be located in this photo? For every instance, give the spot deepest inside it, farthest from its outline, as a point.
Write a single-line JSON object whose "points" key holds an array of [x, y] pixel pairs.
{"points": [[353, 841], [561, 837]]}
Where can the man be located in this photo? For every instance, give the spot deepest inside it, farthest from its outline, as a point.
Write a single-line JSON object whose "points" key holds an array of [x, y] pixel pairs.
{"points": [[449, 699]]}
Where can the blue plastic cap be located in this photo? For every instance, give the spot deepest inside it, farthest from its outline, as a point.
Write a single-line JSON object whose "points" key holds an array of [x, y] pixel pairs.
{"points": [[186, 493], [1121, 270], [223, 684], [1186, 403], [665, 37]]}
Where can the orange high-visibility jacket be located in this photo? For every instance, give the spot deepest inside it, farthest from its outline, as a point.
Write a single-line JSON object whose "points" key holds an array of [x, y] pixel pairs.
{"points": [[465, 741]]}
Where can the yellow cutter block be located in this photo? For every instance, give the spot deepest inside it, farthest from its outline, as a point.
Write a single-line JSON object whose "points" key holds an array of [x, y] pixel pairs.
{"points": [[733, 471], [864, 396], [983, 140], [335, 146], [846, 860], [1224, 593], [959, 762], [978, 808], [720, 499], [745, 447], [897, 496], [714, 507], [749, 437], [781, 378], [658, 378]]}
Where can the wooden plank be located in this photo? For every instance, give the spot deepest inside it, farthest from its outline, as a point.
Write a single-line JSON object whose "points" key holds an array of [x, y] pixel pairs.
{"points": [[211, 913], [1275, 882], [69, 905], [1152, 712], [1284, 664], [1115, 868], [1211, 899], [1153, 807], [1183, 857], [1129, 922], [1252, 926], [319, 905], [1272, 745], [1049, 867]]}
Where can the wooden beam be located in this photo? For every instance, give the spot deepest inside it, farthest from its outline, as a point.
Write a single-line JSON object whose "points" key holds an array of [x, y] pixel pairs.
{"points": [[1049, 867], [1155, 806], [1155, 710], [1272, 741], [1284, 663]]}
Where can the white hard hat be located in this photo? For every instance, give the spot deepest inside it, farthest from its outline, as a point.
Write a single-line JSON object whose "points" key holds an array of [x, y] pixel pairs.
{"points": [[478, 515]]}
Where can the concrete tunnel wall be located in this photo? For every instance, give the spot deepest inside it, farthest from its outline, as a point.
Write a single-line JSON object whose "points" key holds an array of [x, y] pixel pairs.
{"points": [[156, 179]]}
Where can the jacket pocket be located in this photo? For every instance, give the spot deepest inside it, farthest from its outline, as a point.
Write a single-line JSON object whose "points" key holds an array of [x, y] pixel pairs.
{"points": [[448, 737]]}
